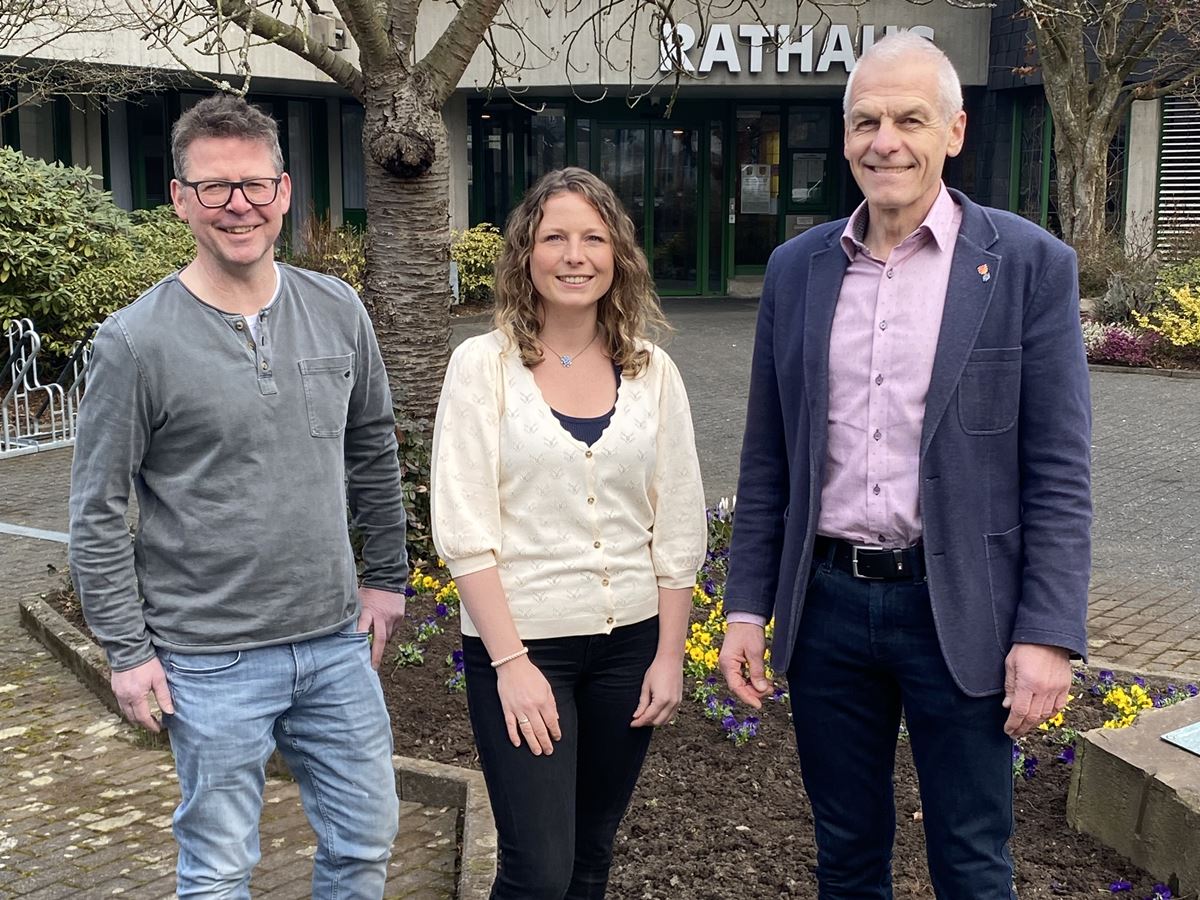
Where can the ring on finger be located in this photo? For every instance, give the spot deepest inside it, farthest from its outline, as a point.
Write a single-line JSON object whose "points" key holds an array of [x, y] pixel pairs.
{"points": [[524, 720]]}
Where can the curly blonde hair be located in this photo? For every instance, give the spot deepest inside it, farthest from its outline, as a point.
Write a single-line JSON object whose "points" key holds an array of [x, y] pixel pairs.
{"points": [[627, 316]]}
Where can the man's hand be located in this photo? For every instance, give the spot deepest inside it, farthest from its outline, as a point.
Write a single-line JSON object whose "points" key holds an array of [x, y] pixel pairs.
{"points": [[381, 612], [131, 688], [741, 662], [1036, 680]]}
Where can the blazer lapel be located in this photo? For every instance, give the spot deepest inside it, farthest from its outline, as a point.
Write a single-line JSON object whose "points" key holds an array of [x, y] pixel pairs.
{"points": [[825, 272], [968, 294]]}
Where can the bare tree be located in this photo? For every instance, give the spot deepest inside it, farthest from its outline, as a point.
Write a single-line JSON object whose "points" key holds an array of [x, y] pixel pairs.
{"points": [[1096, 57], [30, 27], [404, 136]]}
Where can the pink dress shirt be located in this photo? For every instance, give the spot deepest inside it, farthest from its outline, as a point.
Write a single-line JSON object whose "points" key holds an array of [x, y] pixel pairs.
{"points": [[881, 350]]}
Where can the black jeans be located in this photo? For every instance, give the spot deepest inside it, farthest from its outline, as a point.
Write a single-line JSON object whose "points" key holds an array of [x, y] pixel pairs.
{"points": [[557, 815], [865, 651]]}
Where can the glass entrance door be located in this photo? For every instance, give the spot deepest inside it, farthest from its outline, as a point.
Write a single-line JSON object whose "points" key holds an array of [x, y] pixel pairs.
{"points": [[654, 168], [756, 190], [675, 174], [622, 165]]}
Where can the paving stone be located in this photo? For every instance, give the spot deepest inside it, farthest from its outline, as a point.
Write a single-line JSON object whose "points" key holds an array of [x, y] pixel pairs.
{"points": [[85, 809]]}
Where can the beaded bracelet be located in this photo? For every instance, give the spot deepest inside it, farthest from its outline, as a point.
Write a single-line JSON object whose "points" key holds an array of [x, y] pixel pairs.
{"points": [[497, 663]]}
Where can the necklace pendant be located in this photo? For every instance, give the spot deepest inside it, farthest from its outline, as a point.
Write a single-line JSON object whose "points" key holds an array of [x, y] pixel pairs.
{"points": [[565, 360]]}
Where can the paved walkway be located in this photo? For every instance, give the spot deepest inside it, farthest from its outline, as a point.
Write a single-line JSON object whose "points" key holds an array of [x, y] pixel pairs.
{"points": [[85, 812]]}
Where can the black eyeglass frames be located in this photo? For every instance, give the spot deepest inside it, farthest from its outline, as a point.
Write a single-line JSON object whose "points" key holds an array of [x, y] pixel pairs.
{"points": [[215, 194]]}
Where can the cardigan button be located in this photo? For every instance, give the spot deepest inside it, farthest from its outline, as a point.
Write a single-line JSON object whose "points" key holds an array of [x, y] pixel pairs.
{"points": [[609, 620], [588, 454], [591, 499], [604, 582], [596, 545]]}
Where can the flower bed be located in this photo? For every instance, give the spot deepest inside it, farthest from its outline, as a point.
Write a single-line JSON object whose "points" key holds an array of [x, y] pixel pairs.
{"points": [[1159, 331], [720, 812]]}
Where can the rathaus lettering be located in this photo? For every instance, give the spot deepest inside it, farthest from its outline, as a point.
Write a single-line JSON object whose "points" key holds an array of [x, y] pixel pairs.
{"points": [[722, 48]]}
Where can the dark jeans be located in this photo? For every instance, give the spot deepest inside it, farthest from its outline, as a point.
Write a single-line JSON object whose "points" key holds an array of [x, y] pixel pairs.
{"points": [[866, 650], [557, 815]]}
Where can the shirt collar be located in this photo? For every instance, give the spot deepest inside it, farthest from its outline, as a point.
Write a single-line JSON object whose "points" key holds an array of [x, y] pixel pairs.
{"points": [[939, 223]]}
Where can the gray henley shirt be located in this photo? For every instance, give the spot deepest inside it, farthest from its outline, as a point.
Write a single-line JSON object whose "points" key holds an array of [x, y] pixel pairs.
{"points": [[243, 454]]}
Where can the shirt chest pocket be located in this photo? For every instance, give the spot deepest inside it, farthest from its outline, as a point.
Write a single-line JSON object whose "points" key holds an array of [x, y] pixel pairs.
{"points": [[327, 383], [989, 393]]}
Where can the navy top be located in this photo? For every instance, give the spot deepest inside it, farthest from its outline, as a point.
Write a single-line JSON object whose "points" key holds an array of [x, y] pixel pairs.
{"points": [[587, 430]]}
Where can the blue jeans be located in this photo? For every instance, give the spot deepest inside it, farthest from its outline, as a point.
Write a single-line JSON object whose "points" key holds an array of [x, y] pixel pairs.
{"points": [[865, 651], [556, 816], [320, 702]]}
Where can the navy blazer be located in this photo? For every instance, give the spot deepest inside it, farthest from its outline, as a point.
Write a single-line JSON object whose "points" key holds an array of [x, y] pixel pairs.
{"points": [[1004, 465]]}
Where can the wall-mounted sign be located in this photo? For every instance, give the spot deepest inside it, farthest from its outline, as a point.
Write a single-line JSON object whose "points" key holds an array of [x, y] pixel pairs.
{"points": [[681, 49]]}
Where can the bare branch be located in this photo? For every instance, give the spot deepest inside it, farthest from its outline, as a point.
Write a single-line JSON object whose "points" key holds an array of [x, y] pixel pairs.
{"points": [[363, 20], [253, 21], [36, 81], [444, 64]]}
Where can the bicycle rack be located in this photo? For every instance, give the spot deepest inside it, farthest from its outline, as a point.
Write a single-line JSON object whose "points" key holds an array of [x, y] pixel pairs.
{"points": [[36, 416]]}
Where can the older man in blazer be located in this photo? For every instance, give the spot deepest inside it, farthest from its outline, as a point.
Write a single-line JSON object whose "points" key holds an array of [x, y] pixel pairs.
{"points": [[914, 503]]}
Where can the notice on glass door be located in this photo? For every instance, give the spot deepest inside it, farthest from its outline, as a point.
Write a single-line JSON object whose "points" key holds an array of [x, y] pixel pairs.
{"points": [[756, 189], [808, 172]]}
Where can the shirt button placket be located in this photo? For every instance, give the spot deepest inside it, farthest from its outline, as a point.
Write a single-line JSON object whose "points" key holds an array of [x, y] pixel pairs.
{"points": [[597, 543]]}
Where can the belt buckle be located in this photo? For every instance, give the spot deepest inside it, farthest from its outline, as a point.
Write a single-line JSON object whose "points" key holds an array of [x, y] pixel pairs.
{"points": [[854, 548]]}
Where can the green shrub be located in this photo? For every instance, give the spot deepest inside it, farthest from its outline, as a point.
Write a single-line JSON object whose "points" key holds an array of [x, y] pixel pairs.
{"points": [[476, 251], [1177, 318], [334, 251], [68, 255], [415, 439], [1181, 275]]}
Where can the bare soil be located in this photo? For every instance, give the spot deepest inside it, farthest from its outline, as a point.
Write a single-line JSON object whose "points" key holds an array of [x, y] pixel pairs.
{"points": [[713, 821]]}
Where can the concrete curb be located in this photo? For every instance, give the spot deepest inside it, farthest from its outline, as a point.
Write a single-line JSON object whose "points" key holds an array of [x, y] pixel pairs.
{"points": [[1140, 795], [417, 780], [1141, 370]]}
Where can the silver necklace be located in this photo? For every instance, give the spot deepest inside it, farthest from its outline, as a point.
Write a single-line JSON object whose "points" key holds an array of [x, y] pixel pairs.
{"points": [[565, 359]]}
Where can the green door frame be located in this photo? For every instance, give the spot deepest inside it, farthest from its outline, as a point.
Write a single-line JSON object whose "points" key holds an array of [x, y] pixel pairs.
{"points": [[1014, 175], [650, 125], [785, 207], [833, 169], [694, 114]]}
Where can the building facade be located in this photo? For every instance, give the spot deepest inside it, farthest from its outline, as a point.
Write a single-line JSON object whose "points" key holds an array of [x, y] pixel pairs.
{"points": [[722, 137]]}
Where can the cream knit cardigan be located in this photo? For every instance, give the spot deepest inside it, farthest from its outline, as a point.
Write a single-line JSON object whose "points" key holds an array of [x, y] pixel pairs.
{"points": [[582, 536]]}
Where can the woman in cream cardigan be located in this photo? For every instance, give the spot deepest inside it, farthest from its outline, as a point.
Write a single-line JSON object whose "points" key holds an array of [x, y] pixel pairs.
{"points": [[567, 504]]}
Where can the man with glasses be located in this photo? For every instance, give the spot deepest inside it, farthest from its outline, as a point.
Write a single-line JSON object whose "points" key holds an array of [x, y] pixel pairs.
{"points": [[244, 400]]}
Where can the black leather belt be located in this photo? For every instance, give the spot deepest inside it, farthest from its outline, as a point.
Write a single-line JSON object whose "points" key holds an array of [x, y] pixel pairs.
{"points": [[872, 563]]}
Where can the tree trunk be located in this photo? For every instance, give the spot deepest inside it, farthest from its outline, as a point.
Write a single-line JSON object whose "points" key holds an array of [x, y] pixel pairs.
{"points": [[408, 230], [1082, 173]]}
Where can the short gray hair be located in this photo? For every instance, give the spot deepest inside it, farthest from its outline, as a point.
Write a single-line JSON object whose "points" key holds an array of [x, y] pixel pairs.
{"points": [[896, 47], [224, 116]]}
